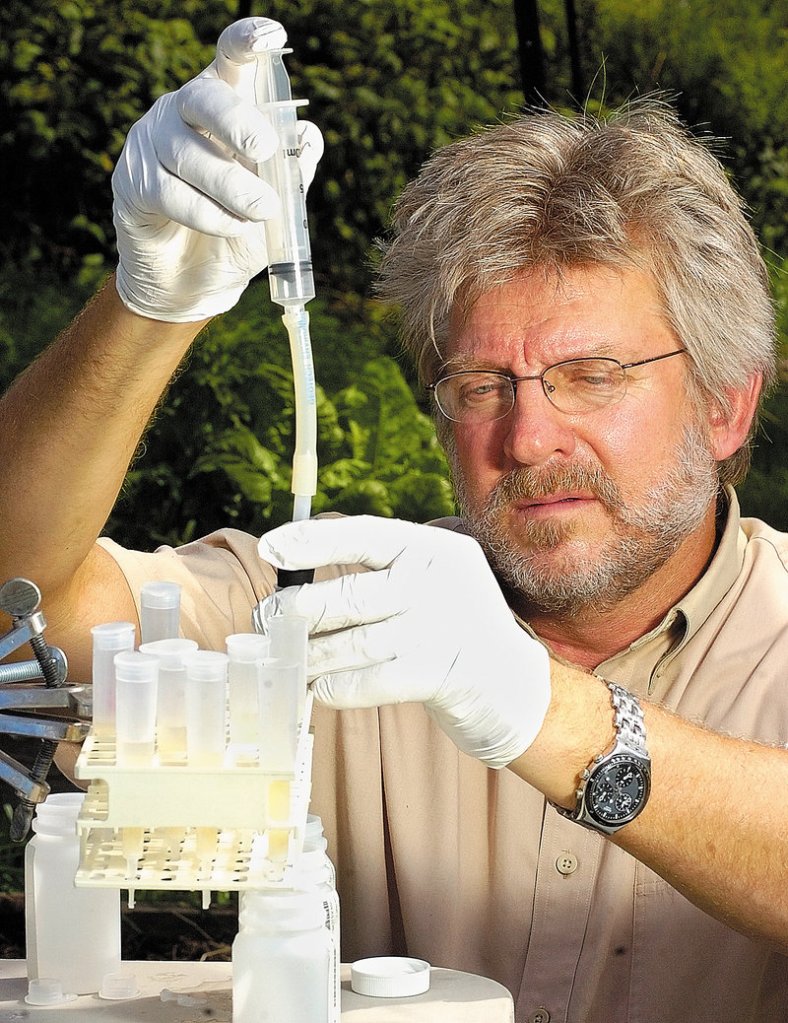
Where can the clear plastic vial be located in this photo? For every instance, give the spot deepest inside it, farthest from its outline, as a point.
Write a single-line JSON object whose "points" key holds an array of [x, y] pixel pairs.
{"points": [[73, 934], [160, 611], [282, 959]]}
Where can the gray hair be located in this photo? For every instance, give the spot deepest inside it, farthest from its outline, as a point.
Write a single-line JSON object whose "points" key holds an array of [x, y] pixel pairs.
{"points": [[631, 190]]}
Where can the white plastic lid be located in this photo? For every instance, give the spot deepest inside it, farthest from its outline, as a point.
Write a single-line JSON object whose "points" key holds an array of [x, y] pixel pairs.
{"points": [[113, 636], [390, 977], [160, 595], [247, 647], [170, 652], [206, 666], [116, 986], [47, 991], [132, 666]]}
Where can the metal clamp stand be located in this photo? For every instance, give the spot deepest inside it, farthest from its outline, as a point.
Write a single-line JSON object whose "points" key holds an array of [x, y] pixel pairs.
{"points": [[20, 599]]}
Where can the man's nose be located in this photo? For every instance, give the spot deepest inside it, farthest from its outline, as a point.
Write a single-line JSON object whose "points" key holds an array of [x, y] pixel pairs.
{"points": [[535, 429]]}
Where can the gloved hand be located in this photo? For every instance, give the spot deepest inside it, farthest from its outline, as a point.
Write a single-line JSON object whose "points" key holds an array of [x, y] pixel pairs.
{"points": [[427, 624], [189, 207]]}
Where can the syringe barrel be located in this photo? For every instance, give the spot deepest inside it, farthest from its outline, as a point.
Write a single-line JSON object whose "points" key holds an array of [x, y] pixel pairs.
{"points": [[287, 237]]}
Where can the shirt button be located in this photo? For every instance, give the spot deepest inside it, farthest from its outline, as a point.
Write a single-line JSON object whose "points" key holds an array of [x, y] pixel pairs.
{"points": [[540, 1015], [566, 863]]}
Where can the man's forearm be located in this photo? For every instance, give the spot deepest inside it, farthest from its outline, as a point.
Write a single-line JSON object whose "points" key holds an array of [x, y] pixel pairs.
{"points": [[722, 844], [69, 427]]}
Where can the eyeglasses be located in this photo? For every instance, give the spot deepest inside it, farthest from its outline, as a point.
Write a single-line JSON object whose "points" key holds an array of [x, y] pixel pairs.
{"points": [[574, 386]]}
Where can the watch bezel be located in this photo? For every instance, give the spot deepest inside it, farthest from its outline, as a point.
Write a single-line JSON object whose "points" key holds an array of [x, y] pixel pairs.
{"points": [[590, 808]]}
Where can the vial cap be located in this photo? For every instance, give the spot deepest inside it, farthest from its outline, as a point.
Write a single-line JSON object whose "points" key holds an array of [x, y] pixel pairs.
{"points": [[390, 977], [116, 986], [133, 666], [171, 652], [47, 991], [160, 595], [113, 636]]}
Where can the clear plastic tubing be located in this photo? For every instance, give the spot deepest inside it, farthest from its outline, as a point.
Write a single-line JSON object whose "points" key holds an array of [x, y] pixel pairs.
{"points": [[290, 263], [108, 639], [171, 701], [137, 681], [160, 609], [206, 708], [244, 650]]}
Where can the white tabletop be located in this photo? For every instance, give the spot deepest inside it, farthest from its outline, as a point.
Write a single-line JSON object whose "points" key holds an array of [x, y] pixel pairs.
{"points": [[205, 993]]}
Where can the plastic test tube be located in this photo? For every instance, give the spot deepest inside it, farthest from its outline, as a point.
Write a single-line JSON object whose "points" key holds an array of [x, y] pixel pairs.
{"points": [[171, 701], [244, 651], [289, 637], [206, 708], [108, 639], [160, 610], [137, 677], [278, 696]]}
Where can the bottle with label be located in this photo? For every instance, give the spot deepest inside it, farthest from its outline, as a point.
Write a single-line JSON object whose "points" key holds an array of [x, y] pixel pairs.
{"points": [[313, 871], [73, 934], [281, 958]]}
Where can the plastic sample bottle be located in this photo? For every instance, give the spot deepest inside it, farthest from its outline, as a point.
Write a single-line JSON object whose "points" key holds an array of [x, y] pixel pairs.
{"points": [[206, 708], [171, 700], [73, 934], [314, 872], [108, 639], [282, 959], [289, 636], [245, 651], [160, 611], [137, 681], [278, 684]]}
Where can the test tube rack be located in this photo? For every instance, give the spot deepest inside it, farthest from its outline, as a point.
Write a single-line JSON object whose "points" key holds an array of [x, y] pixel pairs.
{"points": [[181, 828]]}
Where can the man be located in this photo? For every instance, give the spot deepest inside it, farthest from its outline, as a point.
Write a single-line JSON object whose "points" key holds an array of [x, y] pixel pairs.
{"points": [[588, 306]]}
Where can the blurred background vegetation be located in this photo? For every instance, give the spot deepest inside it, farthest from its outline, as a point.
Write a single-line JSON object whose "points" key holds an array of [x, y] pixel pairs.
{"points": [[388, 81]]}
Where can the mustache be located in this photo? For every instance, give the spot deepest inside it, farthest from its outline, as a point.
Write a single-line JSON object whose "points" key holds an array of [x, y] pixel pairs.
{"points": [[528, 483]]}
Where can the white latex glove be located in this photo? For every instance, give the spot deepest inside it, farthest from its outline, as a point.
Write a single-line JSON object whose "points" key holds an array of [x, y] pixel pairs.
{"points": [[428, 624], [188, 207]]}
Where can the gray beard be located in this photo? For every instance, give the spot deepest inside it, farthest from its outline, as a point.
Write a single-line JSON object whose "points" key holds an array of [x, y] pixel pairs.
{"points": [[641, 539]]}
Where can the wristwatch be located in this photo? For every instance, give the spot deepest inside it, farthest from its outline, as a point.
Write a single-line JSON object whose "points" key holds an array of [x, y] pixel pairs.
{"points": [[615, 786]]}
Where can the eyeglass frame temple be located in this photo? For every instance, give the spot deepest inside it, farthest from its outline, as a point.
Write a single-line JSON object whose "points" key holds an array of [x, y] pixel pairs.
{"points": [[566, 362]]}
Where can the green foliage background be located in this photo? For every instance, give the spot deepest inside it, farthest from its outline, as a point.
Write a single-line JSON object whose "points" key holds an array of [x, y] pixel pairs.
{"points": [[387, 82]]}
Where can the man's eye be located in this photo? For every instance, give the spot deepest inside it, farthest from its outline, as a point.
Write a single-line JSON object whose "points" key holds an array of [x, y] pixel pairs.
{"points": [[593, 378], [479, 391]]}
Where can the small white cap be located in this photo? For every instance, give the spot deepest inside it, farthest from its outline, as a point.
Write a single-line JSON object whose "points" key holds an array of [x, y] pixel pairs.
{"points": [[115, 986], [46, 991], [390, 977]]}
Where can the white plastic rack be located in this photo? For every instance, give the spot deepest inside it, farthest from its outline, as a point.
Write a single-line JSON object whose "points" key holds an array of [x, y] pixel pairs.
{"points": [[174, 827]]}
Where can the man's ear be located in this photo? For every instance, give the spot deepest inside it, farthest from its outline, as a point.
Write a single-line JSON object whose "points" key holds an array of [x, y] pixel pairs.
{"points": [[729, 427]]}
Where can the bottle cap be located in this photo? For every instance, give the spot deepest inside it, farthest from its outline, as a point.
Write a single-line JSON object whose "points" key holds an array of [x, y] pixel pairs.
{"points": [[46, 991], [390, 977], [116, 986], [170, 652], [160, 595]]}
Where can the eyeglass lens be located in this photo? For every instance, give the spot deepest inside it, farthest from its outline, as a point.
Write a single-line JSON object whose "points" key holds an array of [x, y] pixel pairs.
{"points": [[577, 386]]}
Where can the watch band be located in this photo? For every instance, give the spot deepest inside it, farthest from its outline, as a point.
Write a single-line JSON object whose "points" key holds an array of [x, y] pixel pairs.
{"points": [[628, 721], [629, 751]]}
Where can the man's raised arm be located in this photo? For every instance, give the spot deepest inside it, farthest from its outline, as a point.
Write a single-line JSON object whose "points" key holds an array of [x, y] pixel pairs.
{"points": [[188, 215]]}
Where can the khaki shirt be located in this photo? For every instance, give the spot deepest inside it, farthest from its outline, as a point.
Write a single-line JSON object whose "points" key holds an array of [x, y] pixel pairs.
{"points": [[442, 858]]}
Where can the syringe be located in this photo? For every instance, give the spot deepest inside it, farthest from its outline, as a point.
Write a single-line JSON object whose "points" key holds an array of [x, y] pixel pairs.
{"points": [[290, 264]]}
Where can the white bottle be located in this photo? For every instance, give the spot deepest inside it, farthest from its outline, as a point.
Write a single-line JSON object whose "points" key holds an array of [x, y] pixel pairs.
{"points": [[73, 934], [314, 872], [281, 959]]}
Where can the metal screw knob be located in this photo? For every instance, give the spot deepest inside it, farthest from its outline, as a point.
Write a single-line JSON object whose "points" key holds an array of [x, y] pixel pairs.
{"points": [[19, 597]]}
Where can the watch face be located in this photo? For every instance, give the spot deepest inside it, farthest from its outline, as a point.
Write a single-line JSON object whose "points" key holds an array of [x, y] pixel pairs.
{"points": [[617, 791]]}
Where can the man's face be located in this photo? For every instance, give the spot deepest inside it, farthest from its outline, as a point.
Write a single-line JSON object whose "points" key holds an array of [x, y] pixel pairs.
{"points": [[580, 509]]}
